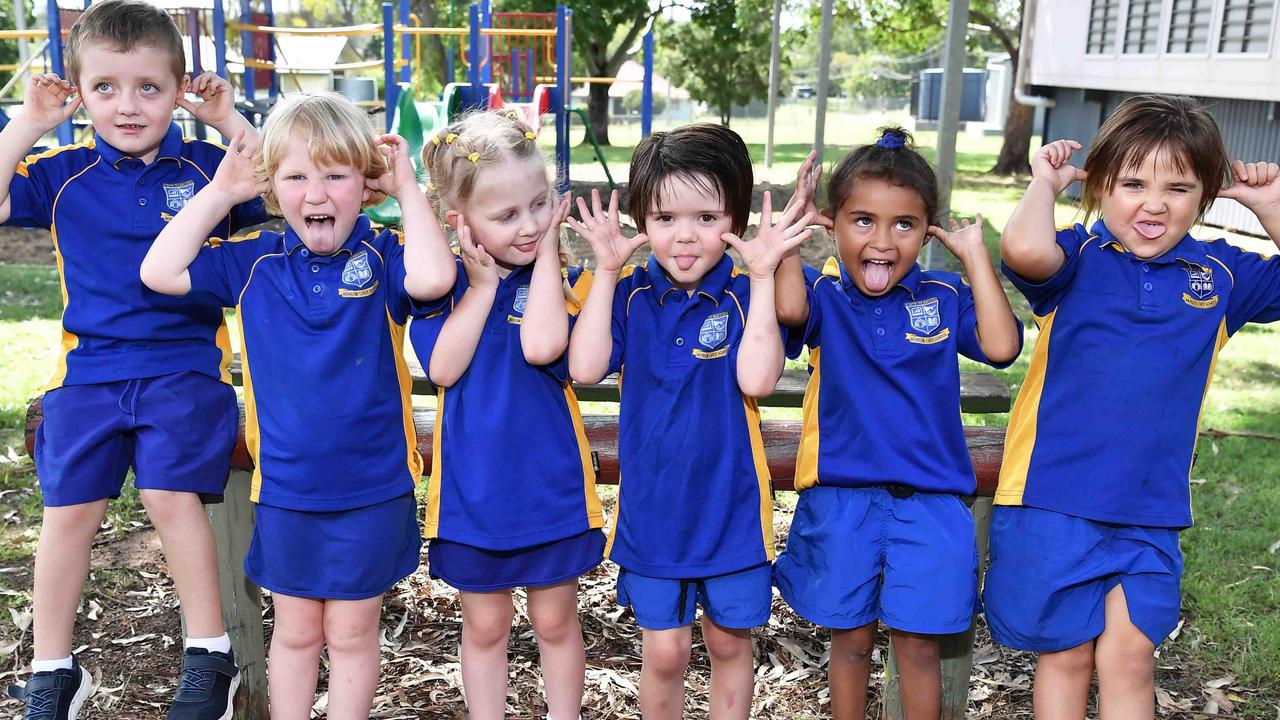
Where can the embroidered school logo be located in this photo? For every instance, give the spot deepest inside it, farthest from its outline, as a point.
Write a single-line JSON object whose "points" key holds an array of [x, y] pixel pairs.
{"points": [[357, 272], [924, 315], [714, 330], [1200, 283], [177, 195], [522, 298]]}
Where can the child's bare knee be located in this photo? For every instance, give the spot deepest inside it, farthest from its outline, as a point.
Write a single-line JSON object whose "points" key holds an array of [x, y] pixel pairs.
{"points": [[667, 658], [1073, 661], [852, 647], [298, 635], [556, 628], [916, 650], [726, 647], [487, 631], [163, 505]]}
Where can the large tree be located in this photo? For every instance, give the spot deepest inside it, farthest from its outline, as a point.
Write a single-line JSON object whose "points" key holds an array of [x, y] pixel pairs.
{"points": [[908, 26], [604, 33], [721, 56]]}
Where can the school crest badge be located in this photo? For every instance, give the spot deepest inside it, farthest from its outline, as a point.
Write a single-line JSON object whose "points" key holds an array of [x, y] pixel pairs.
{"points": [[714, 330], [522, 299], [924, 315], [177, 195], [357, 272], [1200, 281], [1200, 287]]}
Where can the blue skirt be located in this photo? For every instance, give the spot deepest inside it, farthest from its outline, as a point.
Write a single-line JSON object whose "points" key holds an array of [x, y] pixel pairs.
{"points": [[344, 555], [474, 569]]}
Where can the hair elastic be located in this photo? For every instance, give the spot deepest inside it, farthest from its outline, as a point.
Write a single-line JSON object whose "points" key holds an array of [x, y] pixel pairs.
{"points": [[891, 141]]}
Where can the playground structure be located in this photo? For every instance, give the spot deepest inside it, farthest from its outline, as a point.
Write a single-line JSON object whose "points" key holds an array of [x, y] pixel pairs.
{"points": [[519, 61]]}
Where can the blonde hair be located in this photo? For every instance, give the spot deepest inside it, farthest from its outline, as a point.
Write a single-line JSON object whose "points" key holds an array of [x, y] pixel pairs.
{"points": [[454, 157], [337, 133]]}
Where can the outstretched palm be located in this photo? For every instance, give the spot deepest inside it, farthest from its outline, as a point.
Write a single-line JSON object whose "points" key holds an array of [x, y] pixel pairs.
{"points": [[773, 240], [602, 229]]}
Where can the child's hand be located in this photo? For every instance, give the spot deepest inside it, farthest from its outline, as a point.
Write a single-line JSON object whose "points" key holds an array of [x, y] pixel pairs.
{"points": [[399, 179], [603, 230], [549, 244], [807, 189], [482, 271], [236, 176], [217, 102], [773, 240], [1257, 186], [1050, 163], [49, 102], [965, 239]]}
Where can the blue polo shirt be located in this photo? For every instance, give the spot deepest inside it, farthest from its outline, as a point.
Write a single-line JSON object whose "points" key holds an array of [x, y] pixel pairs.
{"points": [[104, 209], [883, 401], [694, 495], [1105, 425], [328, 414], [511, 467]]}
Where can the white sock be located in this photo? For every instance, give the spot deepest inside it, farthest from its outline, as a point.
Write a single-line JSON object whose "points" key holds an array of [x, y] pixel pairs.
{"points": [[221, 644], [51, 665]]}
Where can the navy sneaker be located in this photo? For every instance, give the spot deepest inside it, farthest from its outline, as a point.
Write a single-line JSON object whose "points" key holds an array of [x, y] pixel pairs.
{"points": [[208, 686], [56, 695]]}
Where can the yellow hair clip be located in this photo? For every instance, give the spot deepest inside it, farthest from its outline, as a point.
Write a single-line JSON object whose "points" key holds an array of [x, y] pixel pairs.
{"points": [[513, 114], [450, 138], [529, 134], [474, 158], [435, 139], [431, 187]]}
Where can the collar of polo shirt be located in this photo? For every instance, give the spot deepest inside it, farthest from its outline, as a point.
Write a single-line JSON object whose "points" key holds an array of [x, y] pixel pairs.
{"points": [[1187, 249], [170, 147], [362, 230], [712, 286]]}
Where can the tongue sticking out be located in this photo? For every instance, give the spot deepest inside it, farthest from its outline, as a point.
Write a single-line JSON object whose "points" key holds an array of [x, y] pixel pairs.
{"points": [[875, 276], [320, 235], [1150, 231], [684, 262]]}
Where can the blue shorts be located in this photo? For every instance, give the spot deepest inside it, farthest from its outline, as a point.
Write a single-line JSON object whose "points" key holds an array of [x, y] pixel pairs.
{"points": [[176, 432], [342, 555], [1050, 573], [474, 569], [738, 600], [857, 555]]}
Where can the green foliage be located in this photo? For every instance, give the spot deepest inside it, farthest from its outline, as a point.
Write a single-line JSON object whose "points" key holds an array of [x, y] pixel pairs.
{"points": [[721, 56], [632, 100]]}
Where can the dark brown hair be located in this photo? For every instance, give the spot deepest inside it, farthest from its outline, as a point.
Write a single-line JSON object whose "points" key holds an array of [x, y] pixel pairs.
{"points": [[123, 25], [710, 157], [1177, 125], [892, 158]]}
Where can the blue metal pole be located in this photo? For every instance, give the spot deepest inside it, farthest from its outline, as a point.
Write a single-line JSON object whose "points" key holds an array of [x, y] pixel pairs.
{"points": [[246, 48], [406, 72], [274, 87], [473, 72], [486, 21], [528, 72], [220, 38], [392, 90], [646, 92], [564, 52], [65, 131]]}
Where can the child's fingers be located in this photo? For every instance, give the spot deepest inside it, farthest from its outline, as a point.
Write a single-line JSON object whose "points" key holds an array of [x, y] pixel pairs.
{"points": [[613, 206], [1237, 171], [597, 211], [796, 241], [935, 231], [583, 212], [766, 211], [732, 241], [635, 243]]}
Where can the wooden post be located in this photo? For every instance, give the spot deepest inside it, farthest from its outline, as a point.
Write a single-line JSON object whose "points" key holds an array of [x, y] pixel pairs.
{"points": [[956, 650], [241, 600]]}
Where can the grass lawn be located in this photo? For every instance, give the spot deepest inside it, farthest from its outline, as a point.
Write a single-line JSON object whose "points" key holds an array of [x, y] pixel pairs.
{"points": [[1231, 599]]}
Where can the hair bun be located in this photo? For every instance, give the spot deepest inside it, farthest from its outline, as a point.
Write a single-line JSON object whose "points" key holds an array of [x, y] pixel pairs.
{"points": [[892, 139]]}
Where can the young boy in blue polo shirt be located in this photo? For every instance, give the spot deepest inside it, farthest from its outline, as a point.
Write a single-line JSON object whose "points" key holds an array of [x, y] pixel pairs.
{"points": [[141, 380], [880, 532], [1085, 564], [695, 342], [322, 309]]}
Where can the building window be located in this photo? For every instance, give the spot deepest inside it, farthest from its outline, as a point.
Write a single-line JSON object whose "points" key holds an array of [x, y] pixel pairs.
{"points": [[1104, 16], [1246, 26], [1189, 26], [1142, 29]]}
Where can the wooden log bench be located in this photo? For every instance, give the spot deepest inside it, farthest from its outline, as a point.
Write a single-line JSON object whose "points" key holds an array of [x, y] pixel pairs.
{"points": [[233, 518]]}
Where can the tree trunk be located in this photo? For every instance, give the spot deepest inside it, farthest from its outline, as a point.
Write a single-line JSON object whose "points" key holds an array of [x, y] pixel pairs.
{"points": [[598, 111], [433, 55], [1015, 150]]}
